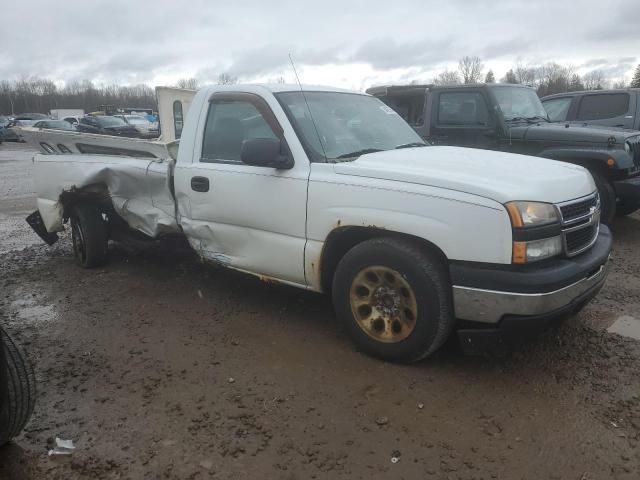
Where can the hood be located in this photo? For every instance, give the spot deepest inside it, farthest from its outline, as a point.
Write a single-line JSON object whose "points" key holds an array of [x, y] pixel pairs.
{"points": [[571, 133], [500, 176]]}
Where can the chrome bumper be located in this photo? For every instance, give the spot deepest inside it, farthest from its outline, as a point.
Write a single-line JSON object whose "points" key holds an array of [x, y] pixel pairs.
{"points": [[489, 306]]}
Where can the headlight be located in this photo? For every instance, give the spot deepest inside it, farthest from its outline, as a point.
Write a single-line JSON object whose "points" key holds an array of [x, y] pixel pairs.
{"points": [[531, 214], [534, 250]]}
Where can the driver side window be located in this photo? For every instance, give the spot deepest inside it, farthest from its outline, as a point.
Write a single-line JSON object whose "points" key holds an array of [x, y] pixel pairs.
{"points": [[462, 108], [229, 123]]}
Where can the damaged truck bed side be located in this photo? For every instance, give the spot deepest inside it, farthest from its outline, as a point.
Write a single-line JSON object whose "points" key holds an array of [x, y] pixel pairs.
{"points": [[332, 191]]}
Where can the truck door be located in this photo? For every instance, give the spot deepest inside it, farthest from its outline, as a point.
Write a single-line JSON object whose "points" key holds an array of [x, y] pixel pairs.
{"points": [[247, 217], [462, 118]]}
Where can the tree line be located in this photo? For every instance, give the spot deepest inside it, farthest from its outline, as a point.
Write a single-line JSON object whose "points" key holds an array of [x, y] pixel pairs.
{"points": [[547, 79], [42, 95]]}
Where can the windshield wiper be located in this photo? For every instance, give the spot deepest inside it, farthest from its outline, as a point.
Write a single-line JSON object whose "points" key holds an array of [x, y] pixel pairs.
{"points": [[539, 117], [357, 153], [411, 145], [533, 119]]}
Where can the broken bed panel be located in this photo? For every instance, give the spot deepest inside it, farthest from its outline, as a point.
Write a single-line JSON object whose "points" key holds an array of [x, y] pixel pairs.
{"points": [[138, 188]]}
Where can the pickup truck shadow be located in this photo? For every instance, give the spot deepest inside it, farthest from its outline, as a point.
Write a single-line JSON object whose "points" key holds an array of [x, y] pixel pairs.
{"points": [[295, 310]]}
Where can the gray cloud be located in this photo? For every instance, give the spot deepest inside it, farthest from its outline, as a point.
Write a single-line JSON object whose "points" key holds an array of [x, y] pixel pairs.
{"points": [[146, 41], [387, 53]]}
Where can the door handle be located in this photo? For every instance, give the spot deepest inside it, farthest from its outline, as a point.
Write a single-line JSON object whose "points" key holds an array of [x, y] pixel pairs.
{"points": [[200, 184]]}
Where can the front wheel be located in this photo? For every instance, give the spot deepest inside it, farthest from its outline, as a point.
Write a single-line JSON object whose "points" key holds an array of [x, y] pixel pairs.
{"points": [[607, 198], [89, 234], [394, 298]]}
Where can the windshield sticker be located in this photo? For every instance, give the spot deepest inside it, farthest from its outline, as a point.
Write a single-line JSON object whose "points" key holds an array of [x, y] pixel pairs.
{"points": [[387, 110]]}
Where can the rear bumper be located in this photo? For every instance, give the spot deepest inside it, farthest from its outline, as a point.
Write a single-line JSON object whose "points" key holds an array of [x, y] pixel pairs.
{"points": [[489, 294], [628, 189]]}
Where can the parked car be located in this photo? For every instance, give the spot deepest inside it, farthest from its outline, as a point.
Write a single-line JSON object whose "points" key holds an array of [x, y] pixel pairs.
{"points": [[106, 125], [53, 124], [4, 122], [11, 133], [17, 389], [145, 128], [611, 108], [73, 121], [511, 118], [331, 191]]}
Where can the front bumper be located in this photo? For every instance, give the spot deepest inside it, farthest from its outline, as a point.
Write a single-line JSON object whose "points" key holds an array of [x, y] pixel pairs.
{"points": [[489, 294], [628, 189]]}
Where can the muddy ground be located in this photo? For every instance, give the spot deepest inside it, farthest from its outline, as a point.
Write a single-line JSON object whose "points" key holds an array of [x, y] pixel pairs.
{"points": [[160, 367]]}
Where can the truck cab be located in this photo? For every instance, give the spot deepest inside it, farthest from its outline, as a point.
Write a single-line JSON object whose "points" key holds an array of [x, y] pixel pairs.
{"points": [[511, 118]]}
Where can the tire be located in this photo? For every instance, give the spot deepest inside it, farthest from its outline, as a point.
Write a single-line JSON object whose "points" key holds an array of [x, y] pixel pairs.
{"points": [[407, 313], [607, 198], [18, 389], [625, 207], [90, 235]]}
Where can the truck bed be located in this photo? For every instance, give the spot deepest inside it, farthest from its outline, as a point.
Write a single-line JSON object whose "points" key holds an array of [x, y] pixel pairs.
{"points": [[133, 173]]}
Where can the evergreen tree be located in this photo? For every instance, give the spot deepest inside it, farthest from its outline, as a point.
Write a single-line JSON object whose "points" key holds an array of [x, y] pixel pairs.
{"points": [[635, 82], [490, 78], [509, 77]]}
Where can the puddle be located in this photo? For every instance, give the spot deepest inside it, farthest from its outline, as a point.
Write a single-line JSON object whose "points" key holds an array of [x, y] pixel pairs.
{"points": [[627, 326]]}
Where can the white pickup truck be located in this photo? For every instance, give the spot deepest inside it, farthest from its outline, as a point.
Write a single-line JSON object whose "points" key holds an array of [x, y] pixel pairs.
{"points": [[331, 191]]}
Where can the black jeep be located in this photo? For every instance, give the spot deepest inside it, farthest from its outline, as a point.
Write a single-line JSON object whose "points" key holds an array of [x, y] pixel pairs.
{"points": [[511, 118]]}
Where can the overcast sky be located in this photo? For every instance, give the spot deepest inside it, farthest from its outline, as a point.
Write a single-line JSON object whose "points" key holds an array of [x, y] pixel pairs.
{"points": [[351, 44]]}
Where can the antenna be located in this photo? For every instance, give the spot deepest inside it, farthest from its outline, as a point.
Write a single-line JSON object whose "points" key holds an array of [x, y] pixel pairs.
{"points": [[315, 127]]}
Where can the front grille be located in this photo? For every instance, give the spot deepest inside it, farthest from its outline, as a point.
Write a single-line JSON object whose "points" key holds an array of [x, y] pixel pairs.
{"points": [[578, 209], [635, 149], [580, 224], [577, 240]]}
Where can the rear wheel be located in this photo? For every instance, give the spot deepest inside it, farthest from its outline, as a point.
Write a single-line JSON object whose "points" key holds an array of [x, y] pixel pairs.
{"points": [[607, 198], [17, 389], [394, 299], [90, 235]]}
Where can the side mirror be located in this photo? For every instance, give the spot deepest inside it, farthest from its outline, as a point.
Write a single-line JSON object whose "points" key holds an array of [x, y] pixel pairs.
{"points": [[265, 152]]}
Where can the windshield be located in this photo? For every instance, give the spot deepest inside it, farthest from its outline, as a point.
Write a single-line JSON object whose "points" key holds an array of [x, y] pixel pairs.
{"points": [[110, 121], [349, 124], [518, 102], [57, 124]]}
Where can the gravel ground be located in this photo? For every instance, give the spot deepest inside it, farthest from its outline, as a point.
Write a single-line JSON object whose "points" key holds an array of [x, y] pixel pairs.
{"points": [[158, 366]]}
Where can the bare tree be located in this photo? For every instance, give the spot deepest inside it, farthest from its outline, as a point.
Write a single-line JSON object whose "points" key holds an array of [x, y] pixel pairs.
{"points": [[553, 78], [227, 79], [188, 83], [620, 83], [448, 77], [594, 80], [525, 74], [470, 69]]}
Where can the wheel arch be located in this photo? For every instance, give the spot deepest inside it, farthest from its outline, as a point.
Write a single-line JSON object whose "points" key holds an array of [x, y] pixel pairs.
{"points": [[96, 194], [342, 239]]}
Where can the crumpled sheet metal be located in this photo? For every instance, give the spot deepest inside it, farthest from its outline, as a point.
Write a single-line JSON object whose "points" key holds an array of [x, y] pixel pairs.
{"points": [[139, 188]]}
